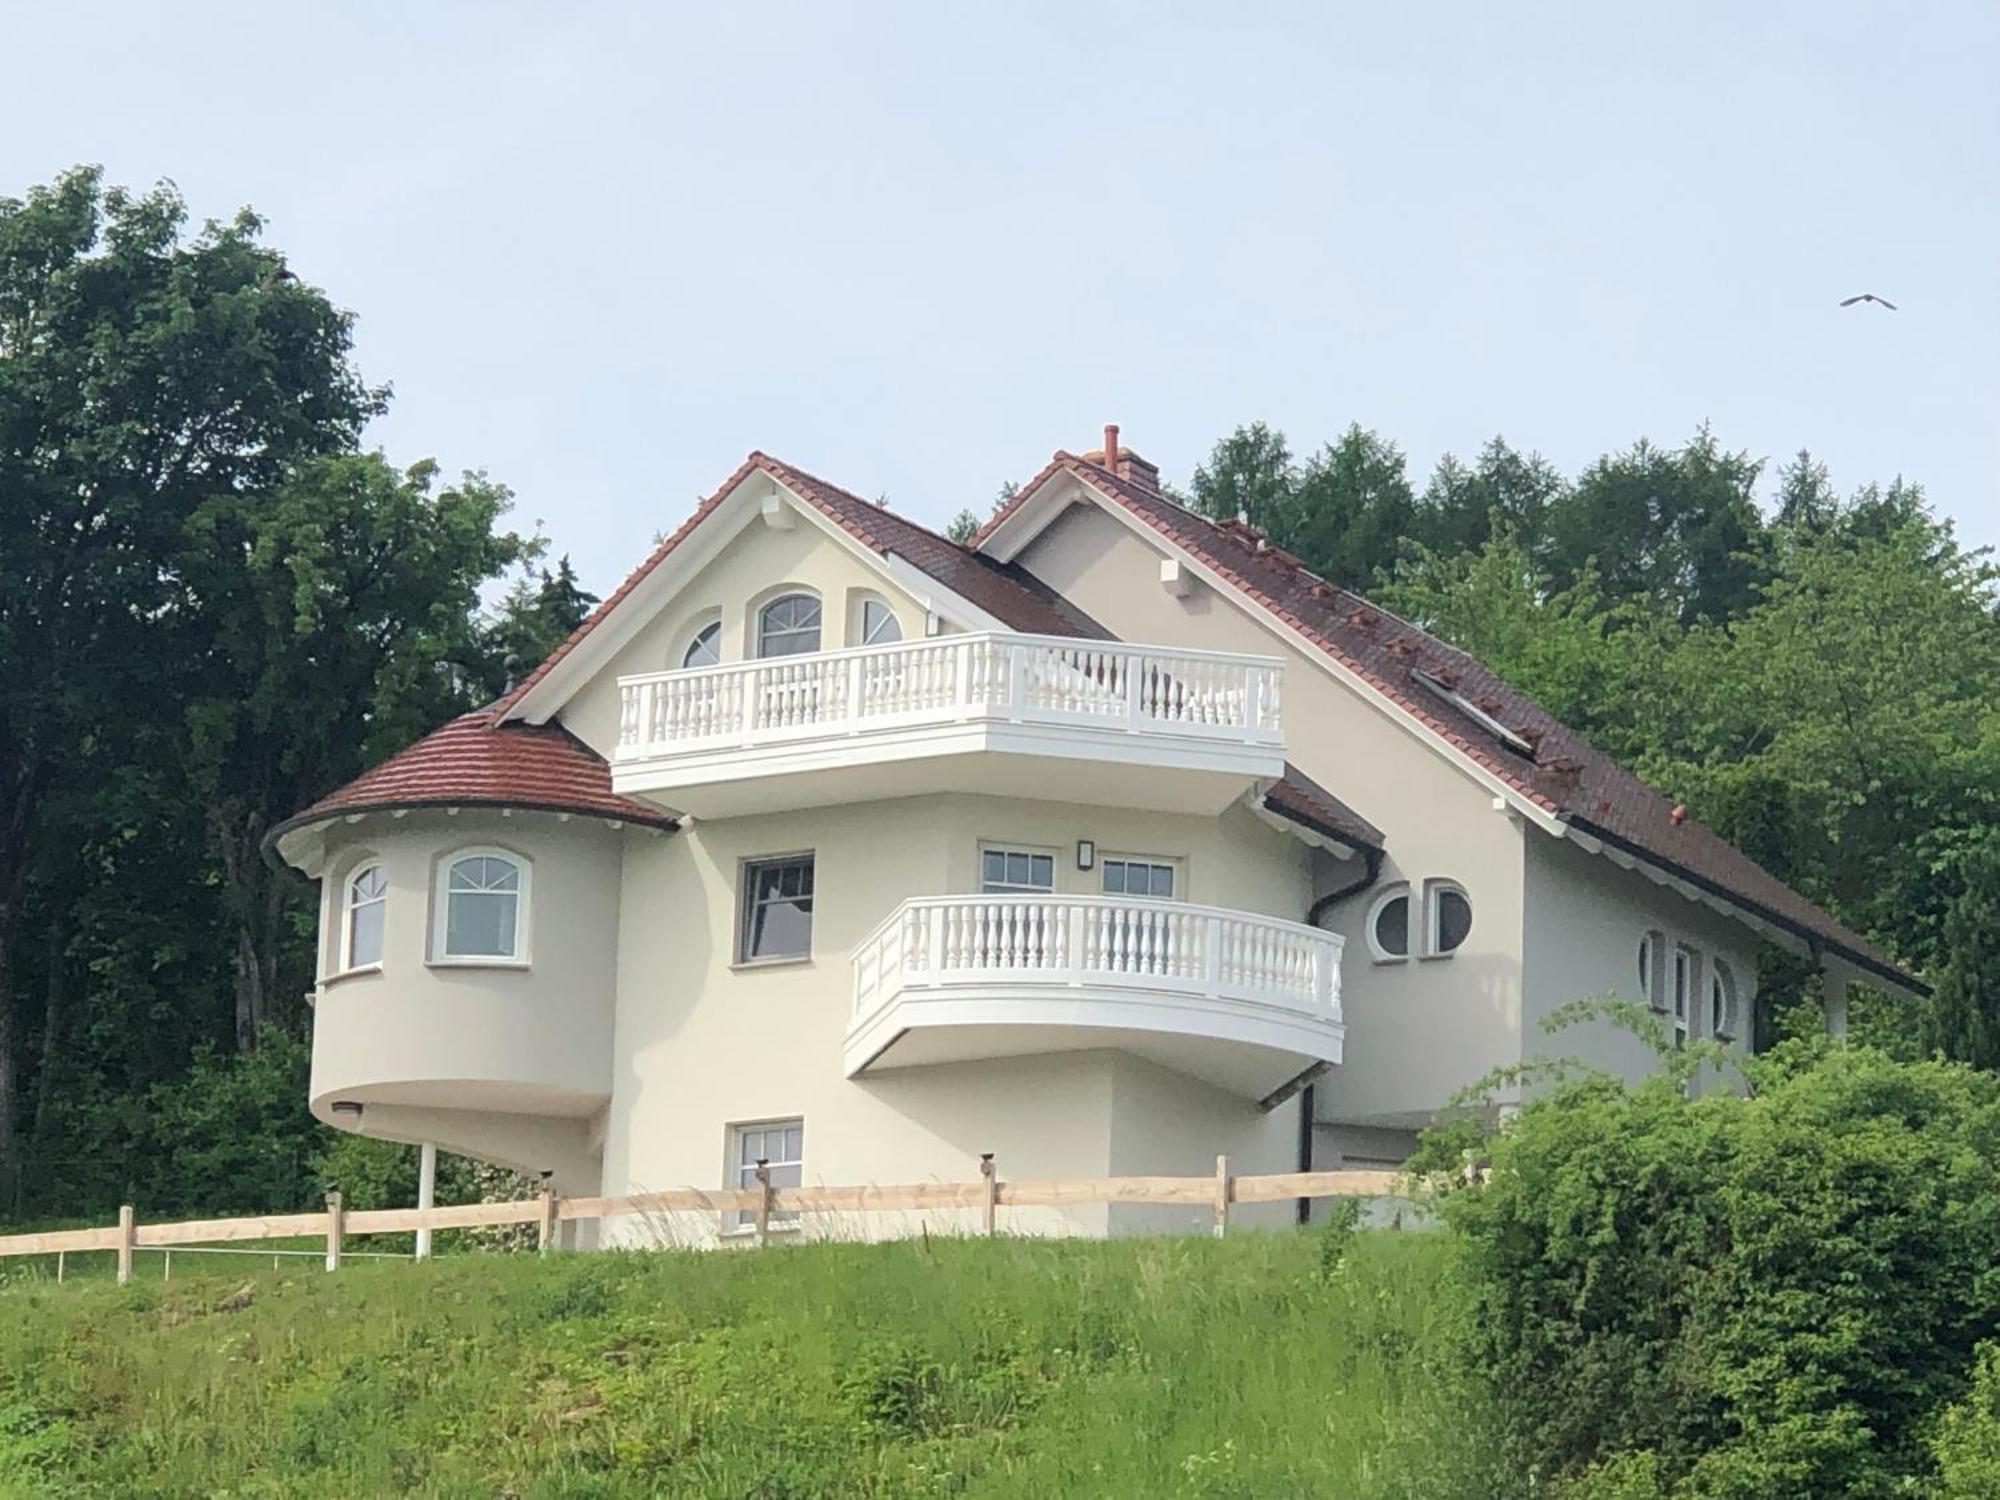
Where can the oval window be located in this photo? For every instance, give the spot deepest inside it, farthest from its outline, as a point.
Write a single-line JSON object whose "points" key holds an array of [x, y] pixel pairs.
{"points": [[1451, 918], [1389, 925]]}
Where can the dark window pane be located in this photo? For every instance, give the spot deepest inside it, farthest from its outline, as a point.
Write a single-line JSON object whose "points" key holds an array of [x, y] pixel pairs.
{"points": [[777, 915], [1114, 877], [1392, 927], [1454, 919]]}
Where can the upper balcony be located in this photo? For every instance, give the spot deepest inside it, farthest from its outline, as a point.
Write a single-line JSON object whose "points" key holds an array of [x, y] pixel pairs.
{"points": [[1056, 718], [1241, 1001]]}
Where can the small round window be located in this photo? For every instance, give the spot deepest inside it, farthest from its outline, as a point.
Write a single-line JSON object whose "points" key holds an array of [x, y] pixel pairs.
{"points": [[1389, 924]]}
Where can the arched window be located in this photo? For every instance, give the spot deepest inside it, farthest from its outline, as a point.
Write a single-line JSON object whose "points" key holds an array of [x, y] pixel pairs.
{"points": [[879, 625], [482, 905], [367, 905], [705, 648], [1721, 1001], [1447, 917], [788, 626], [1389, 925]]}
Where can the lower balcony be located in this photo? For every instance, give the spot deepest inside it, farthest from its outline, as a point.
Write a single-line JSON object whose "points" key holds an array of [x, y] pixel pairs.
{"points": [[1240, 1001]]}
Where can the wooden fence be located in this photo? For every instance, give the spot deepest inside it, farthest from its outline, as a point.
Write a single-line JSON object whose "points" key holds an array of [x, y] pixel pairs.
{"points": [[986, 1195]]}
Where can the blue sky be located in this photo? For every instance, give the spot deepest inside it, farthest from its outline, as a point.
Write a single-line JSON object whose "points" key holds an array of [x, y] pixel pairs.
{"points": [[602, 251]]}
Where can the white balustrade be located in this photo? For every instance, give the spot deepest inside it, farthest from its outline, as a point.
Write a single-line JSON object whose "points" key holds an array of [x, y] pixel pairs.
{"points": [[1034, 943], [1021, 678]]}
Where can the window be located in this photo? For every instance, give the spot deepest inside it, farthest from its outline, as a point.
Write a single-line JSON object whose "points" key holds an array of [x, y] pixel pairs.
{"points": [[781, 1145], [1651, 945], [1138, 877], [878, 623], [777, 909], [1448, 921], [788, 626], [1683, 1010], [1389, 925], [482, 898], [1721, 1001], [367, 904], [705, 650], [1016, 872]]}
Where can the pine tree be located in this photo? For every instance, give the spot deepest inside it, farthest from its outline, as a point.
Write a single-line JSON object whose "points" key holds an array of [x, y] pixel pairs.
{"points": [[1964, 1018]]}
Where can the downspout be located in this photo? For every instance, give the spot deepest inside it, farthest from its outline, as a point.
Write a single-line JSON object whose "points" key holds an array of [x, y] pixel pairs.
{"points": [[1371, 871]]}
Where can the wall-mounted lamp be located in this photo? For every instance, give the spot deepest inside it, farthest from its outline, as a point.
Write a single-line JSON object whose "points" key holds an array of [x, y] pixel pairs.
{"points": [[1086, 853], [350, 1108]]}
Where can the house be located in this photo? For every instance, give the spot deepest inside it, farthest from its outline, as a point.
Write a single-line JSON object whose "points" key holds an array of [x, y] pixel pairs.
{"points": [[1107, 843]]}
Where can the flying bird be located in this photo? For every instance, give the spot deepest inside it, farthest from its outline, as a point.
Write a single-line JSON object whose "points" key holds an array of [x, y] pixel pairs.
{"points": [[1868, 297]]}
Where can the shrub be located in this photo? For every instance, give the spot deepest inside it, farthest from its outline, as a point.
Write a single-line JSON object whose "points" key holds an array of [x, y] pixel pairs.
{"points": [[1772, 1292]]}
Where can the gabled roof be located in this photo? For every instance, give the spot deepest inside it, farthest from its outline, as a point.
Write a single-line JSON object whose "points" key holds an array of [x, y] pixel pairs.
{"points": [[1302, 800], [1563, 775], [477, 761], [1010, 594]]}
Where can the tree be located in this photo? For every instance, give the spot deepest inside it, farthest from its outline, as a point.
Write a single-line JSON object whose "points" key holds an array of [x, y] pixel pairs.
{"points": [[1963, 1021], [1248, 476], [143, 374], [1678, 527], [322, 624], [1462, 508], [539, 613]]}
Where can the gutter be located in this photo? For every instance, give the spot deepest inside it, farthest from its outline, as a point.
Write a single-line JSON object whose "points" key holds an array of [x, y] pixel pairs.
{"points": [[1371, 871], [1816, 942]]}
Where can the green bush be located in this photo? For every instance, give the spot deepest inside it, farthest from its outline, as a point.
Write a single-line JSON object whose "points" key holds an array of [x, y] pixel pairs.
{"points": [[1776, 1292]]}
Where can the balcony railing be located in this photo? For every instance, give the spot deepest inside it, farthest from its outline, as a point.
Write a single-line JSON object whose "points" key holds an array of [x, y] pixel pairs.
{"points": [[1046, 944], [1042, 680]]}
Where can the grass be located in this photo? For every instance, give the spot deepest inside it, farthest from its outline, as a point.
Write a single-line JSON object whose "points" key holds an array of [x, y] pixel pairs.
{"points": [[1267, 1364]]}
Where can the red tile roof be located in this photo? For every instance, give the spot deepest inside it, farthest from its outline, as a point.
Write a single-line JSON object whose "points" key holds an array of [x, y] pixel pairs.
{"points": [[1304, 800], [1566, 775], [475, 761], [1009, 593]]}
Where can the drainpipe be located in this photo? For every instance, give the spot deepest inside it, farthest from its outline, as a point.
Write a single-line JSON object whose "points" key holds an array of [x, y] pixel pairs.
{"points": [[1371, 871]]}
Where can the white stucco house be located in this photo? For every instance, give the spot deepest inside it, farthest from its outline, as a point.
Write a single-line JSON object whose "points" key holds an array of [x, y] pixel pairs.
{"points": [[1109, 842]]}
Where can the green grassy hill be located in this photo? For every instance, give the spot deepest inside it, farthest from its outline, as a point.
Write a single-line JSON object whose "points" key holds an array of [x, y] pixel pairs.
{"points": [[1258, 1366]]}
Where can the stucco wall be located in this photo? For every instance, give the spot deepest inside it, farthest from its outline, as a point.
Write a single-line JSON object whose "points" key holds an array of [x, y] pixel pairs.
{"points": [[1417, 1030], [1164, 1125], [1585, 920], [756, 566], [702, 1043], [475, 1042]]}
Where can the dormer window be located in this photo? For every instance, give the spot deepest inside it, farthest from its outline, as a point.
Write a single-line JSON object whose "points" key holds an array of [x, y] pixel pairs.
{"points": [[788, 626]]}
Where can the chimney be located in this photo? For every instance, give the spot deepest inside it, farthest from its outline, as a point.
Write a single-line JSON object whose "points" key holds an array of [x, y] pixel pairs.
{"points": [[1111, 446]]}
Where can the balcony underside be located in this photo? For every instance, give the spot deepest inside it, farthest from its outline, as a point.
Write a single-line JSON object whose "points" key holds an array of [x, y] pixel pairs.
{"points": [[490, 1096], [1153, 773], [1243, 1049]]}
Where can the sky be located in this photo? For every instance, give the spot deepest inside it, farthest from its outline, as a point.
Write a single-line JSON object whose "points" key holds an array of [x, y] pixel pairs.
{"points": [[603, 251]]}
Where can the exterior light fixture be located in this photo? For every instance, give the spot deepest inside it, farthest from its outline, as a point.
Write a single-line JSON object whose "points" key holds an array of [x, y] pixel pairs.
{"points": [[348, 1107], [1086, 853]]}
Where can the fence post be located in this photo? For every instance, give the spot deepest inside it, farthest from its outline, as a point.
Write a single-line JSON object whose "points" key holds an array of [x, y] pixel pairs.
{"points": [[986, 1212], [545, 1229], [427, 1169], [1224, 1187], [763, 1201], [126, 1232], [335, 1223]]}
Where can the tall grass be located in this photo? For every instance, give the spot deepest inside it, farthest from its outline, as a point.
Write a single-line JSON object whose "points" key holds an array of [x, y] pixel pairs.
{"points": [[1280, 1364]]}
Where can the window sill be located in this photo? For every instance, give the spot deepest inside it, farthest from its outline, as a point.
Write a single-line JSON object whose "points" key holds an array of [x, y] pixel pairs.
{"points": [[1388, 960], [797, 961], [476, 963], [749, 1231], [1427, 958], [359, 970]]}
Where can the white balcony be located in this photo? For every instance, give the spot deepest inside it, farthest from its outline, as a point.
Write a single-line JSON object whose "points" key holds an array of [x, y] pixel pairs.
{"points": [[1052, 717], [1244, 1002]]}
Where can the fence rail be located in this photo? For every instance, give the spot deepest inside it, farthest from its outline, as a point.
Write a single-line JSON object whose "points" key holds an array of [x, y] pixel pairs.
{"points": [[987, 1195]]}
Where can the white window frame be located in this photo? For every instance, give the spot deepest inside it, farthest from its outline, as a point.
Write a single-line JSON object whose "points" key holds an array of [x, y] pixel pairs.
{"points": [[1684, 993], [349, 906], [764, 608], [1722, 979], [524, 907], [1009, 888], [1388, 893], [865, 601], [1434, 889], [694, 637], [1650, 963], [1152, 861], [740, 1175], [746, 874]]}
